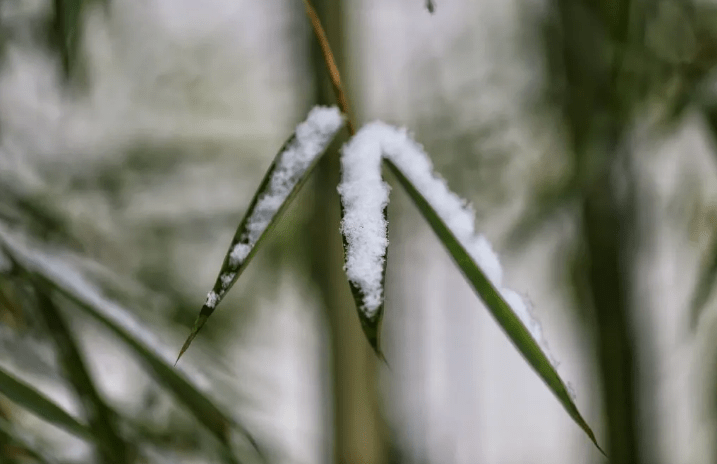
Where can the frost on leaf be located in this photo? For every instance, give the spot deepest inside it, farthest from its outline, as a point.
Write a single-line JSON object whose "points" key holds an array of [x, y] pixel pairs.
{"points": [[283, 179]]}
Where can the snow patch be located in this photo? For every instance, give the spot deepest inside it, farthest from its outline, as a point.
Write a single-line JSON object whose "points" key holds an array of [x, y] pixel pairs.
{"points": [[364, 196], [310, 140], [212, 298]]}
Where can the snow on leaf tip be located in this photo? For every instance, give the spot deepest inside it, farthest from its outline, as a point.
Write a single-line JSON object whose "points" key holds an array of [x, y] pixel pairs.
{"points": [[282, 181]]}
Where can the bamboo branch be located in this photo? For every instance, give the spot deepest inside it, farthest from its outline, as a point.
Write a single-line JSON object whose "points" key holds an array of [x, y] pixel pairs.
{"points": [[330, 64]]}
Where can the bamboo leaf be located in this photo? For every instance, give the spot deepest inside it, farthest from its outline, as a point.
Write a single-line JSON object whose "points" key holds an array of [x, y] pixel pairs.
{"points": [[371, 320], [101, 419], [519, 335], [364, 229], [26, 396], [708, 273], [69, 283], [285, 177], [66, 31], [705, 284], [26, 444]]}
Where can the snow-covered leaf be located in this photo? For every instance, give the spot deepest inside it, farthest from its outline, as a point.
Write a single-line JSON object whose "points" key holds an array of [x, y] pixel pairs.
{"points": [[27, 397], [285, 176], [364, 197], [364, 227]]}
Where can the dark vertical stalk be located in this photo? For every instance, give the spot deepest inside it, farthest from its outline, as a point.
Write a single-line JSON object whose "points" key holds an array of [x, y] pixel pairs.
{"points": [[597, 109], [607, 224]]}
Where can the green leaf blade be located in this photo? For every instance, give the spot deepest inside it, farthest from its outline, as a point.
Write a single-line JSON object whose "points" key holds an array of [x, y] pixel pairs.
{"points": [[286, 175], [10, 436], [69, 283], [371, 322], [511, 324], [704, 288], [100, 417], [40, 405], [364, 230]]}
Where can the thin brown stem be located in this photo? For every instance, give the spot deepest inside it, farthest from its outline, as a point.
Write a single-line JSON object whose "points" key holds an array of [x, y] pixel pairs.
{"points": [[330, 64]]}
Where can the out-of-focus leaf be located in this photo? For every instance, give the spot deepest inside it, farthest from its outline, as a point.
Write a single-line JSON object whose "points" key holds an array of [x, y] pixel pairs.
{"points": [[66, 23], [67, 28], [26, 396], [705, 284], [101, 419], [708, 273], [544, 209], [285, 177], [501, 311], [33, 211], [22, 443], [68, 282]]}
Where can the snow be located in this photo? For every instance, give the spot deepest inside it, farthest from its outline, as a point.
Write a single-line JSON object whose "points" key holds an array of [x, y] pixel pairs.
{"points": [[211, 299], [310, 140], [364, 195]]}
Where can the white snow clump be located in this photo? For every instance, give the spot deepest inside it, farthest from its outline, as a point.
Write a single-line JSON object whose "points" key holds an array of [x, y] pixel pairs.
{"points": [[364, 196]]}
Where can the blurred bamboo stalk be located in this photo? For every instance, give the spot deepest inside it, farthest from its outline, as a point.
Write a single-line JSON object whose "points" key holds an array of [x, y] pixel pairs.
{"points": [[596, 110], [357, 423]]}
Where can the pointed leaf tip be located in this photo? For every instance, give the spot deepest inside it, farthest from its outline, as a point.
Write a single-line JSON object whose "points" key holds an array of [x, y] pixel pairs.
{"points": [[512, 325], [198, 324]]}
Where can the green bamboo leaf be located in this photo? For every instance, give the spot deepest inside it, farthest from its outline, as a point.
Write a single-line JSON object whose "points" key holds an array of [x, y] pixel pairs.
{"points": [[100, 417], [23, 442], [705, 284], [708, 273], [371, 320], [64, 279], [364, 230], [26, 396], [66, 31], [364, 197], [285, 177], [512, 325]]}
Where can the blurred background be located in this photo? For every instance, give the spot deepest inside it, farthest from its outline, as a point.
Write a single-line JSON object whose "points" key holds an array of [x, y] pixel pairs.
{"points": [[133, 135]]}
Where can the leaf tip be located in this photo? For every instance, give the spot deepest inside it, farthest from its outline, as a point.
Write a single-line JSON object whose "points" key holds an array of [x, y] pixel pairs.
{"points": [[586, 428], [198, 324]]}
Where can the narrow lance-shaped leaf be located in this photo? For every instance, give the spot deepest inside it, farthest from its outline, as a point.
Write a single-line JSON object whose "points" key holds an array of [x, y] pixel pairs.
{"points": [[24, 443], [281, 183], [364, 227], [707, 276], [705, 284], [67, 27], [454, 223], [67, 281], [26, 396], [101, 419]]}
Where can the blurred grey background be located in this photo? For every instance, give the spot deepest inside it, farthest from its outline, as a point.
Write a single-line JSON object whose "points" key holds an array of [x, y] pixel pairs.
{"points": [[133, 135]]}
